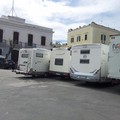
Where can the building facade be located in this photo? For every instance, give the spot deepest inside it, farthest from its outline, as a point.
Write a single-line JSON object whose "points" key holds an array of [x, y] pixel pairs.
{"points": [[22, 35], [92, 33]]}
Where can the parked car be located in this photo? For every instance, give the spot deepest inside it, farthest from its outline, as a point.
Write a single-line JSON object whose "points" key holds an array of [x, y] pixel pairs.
{"points": [[9, 64], [2, 61]]}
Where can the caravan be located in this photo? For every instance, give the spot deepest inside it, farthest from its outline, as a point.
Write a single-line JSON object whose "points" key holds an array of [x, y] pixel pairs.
{"points": [[60, 62], [114, 57], [33, 61], [89, 62]]}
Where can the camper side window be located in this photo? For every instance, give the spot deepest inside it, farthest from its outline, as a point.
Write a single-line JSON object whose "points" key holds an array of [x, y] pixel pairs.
{"points": [[24, 55], [58, 61], [84, 61], [85, 52], [39, 55]]}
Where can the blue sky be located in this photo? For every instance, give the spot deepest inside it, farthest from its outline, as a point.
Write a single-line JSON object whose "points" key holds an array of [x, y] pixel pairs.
{"points": [[62, 15]]}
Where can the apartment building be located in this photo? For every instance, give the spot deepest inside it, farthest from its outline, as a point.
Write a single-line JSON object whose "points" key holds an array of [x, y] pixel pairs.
{"points": [[92, 33], [22, 35]]}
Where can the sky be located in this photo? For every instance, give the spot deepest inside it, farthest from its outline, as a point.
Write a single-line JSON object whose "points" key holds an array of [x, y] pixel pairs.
{"points": [[61, 15]]}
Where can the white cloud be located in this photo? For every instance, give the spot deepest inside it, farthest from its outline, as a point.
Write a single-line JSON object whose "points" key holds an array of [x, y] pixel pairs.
{"points": [[62, 15]]}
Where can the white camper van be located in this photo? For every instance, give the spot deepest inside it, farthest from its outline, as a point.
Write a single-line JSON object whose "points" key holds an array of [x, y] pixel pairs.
{"points": [[114, 57], [33, 61], [60, 62], [89, 62]]}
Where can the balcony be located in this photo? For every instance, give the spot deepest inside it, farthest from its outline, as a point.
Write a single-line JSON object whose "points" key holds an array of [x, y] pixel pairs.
{"points": [[30, 46], [6, 43], [19, 45]]}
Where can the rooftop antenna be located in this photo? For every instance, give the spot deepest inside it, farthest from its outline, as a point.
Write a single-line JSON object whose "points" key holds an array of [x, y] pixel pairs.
{"points": [[12, 9]]}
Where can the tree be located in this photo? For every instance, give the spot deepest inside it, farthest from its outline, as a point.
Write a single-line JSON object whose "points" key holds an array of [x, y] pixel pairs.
{"points": [[58, 44]]}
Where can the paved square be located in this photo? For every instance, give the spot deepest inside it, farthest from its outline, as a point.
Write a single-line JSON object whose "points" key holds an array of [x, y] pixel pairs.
{"points": [[25, 98]]}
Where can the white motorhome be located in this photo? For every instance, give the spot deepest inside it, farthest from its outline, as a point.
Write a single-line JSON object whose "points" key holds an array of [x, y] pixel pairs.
{"points": [[114, 57], [60, 62], [89, 62], [33, 61]]}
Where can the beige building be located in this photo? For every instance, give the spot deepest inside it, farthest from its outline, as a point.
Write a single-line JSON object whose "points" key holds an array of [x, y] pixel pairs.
{"points": [[92, 33]]}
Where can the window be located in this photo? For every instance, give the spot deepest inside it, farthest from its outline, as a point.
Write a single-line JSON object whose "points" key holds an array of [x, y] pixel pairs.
{"points": [[59, 61], [85, 36], [78, 38], [72, 40], [30, 39], [43, 40], [103, 38], [1, 35], [0, 51], [84, 61], [85, 52], [15, 37], [39, 55], [24, 55]]}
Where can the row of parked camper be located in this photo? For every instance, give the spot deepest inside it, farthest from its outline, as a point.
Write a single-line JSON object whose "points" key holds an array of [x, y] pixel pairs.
{"points": [[87, 62]]}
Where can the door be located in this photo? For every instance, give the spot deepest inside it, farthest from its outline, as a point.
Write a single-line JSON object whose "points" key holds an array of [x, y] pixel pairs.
{"points": [[14, 55]]}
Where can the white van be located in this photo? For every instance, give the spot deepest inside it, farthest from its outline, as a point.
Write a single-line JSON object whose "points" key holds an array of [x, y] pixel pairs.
{"points": [[114, 57], [60, 62], [33, 61], [89, 62]]}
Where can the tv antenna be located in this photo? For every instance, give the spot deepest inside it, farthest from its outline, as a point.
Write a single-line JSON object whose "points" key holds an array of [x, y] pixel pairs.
{"points": [[13, 9]]}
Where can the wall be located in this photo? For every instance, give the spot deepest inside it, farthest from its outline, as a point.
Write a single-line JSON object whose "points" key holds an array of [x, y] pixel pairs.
{"points": [[80, 31], [94, 32], [97, 34], [15, 24]]}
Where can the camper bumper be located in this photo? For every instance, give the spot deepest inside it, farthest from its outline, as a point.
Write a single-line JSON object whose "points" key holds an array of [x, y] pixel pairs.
{"points": [[24, 72], [59, 73], [21, 72], [91, 78]]}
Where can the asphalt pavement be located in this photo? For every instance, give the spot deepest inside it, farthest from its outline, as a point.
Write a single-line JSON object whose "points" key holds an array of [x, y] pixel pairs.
{"points": [[54, 98]]}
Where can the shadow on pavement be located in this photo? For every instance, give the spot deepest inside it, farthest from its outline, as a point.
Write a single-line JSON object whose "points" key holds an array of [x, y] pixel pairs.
{"points": [[103, 87]]}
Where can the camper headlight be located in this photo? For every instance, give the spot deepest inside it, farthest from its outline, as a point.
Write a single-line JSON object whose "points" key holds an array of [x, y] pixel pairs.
{"points": [[88, 77]]}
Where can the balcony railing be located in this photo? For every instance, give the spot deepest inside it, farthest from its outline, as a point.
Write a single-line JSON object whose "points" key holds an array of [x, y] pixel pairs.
{"points": [[6, 43], [30, 46]]}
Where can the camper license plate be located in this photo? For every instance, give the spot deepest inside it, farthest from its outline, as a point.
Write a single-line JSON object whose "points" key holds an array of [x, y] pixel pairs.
{"points": [[57, 73], [83, 77]]}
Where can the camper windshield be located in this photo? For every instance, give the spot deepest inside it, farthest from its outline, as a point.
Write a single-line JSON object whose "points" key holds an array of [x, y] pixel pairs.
{"points": [[24, 55]]}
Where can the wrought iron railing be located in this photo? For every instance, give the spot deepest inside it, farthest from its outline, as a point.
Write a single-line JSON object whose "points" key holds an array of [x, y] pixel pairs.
{"points": [[6, 43]]}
